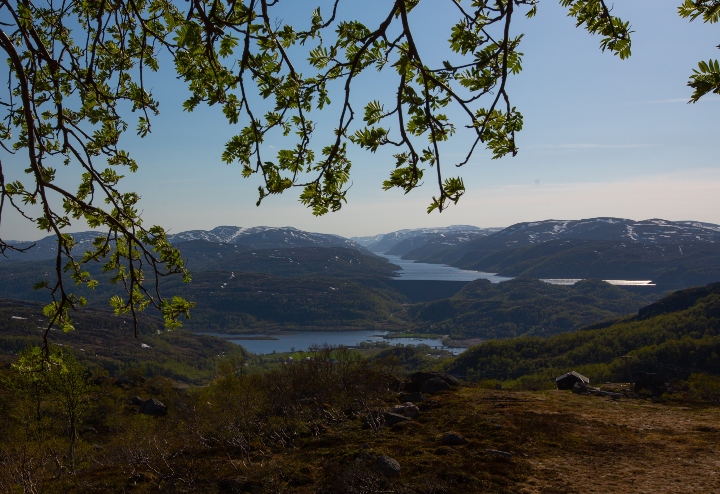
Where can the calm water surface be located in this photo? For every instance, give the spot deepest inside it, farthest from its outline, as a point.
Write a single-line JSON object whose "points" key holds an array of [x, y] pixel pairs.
{"points": [[301, 341], [412, 270]]}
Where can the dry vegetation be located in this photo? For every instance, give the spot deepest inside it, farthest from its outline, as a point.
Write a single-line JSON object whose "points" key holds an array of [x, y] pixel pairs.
{"points": [[313, 427]]}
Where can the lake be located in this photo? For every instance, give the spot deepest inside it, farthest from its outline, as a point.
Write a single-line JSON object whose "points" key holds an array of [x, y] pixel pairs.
{"points": [[572, 281], [301, 341], [412, 270]]}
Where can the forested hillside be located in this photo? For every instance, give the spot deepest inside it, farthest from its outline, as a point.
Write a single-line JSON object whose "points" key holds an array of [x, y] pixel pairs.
{"points": [[240, 289], [675, 337], [524, 307], [105, 343]]}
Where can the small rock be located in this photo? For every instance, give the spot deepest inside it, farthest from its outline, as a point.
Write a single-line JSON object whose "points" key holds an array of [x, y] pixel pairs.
{"points": [[388, 466], [394, 418], [400, 409], [417, 380], [407, 409], [452, 381], [434, 385], [444, 450], [452, 439], [411, 410], [136, 400], [501, 454], [153, 407], [88, 430]]}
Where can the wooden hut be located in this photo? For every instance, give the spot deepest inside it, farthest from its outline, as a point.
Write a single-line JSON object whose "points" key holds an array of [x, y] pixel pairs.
{"points": [[567, 381]]}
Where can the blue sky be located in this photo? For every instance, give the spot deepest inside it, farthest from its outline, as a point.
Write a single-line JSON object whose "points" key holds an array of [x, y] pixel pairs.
{"points": [[602, 137]]}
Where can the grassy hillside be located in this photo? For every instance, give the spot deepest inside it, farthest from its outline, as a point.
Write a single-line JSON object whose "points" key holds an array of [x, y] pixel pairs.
{"points": [[675, 342], [104, 341], [238, 289], [337, 262], [323, 423], [319, 427], [524, 306], [256, 301]]}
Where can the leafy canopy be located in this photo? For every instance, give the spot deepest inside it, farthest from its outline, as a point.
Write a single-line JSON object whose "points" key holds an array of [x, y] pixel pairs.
{"points": [[76, 83]]}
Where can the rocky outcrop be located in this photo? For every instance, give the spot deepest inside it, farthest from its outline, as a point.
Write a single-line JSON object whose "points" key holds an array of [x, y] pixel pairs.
{"points": [[416, 381], [434, 385], [153, 408], [394, 418]]}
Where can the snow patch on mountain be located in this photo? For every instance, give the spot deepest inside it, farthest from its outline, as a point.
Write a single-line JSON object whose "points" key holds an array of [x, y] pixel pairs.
{"points": [[612, 229]]}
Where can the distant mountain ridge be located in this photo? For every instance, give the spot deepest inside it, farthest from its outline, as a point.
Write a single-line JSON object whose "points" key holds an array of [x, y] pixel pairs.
{"points": [[258, 237], [615, 229], [265, 237], [676, 254], [385, 242], [431, 244]]}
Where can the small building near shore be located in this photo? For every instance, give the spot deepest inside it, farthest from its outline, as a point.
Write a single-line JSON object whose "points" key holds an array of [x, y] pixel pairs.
{"points": [[567, 381]]}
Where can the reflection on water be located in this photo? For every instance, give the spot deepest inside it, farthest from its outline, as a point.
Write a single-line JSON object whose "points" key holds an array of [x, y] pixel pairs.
{"points": [[572, 281], [302, 341]]}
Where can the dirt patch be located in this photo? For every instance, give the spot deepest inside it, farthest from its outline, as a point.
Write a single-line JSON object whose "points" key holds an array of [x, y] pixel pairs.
{"points": [[595, 445]]}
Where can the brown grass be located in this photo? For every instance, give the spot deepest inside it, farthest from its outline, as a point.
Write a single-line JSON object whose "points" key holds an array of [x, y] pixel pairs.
{"points": [[560, 443]]}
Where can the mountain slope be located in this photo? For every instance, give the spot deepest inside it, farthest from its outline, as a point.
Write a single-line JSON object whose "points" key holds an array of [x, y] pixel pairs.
{"points": [[460, 233], [260, 237], [524, 306], [682, 338], [238, 288], [673, 254], [342, 262]]}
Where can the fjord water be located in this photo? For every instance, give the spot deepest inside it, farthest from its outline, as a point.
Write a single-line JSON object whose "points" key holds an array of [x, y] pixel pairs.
{"points": [[412, 270]]}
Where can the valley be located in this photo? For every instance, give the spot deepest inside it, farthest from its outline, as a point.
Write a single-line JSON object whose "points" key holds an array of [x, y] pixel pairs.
{"points": [[264, 280], [248, 391]]}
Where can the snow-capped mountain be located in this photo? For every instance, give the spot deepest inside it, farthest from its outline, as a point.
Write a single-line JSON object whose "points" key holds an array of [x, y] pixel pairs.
{"points": [[260, 237], [650, 231], [386, 242], [264, 237]]}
